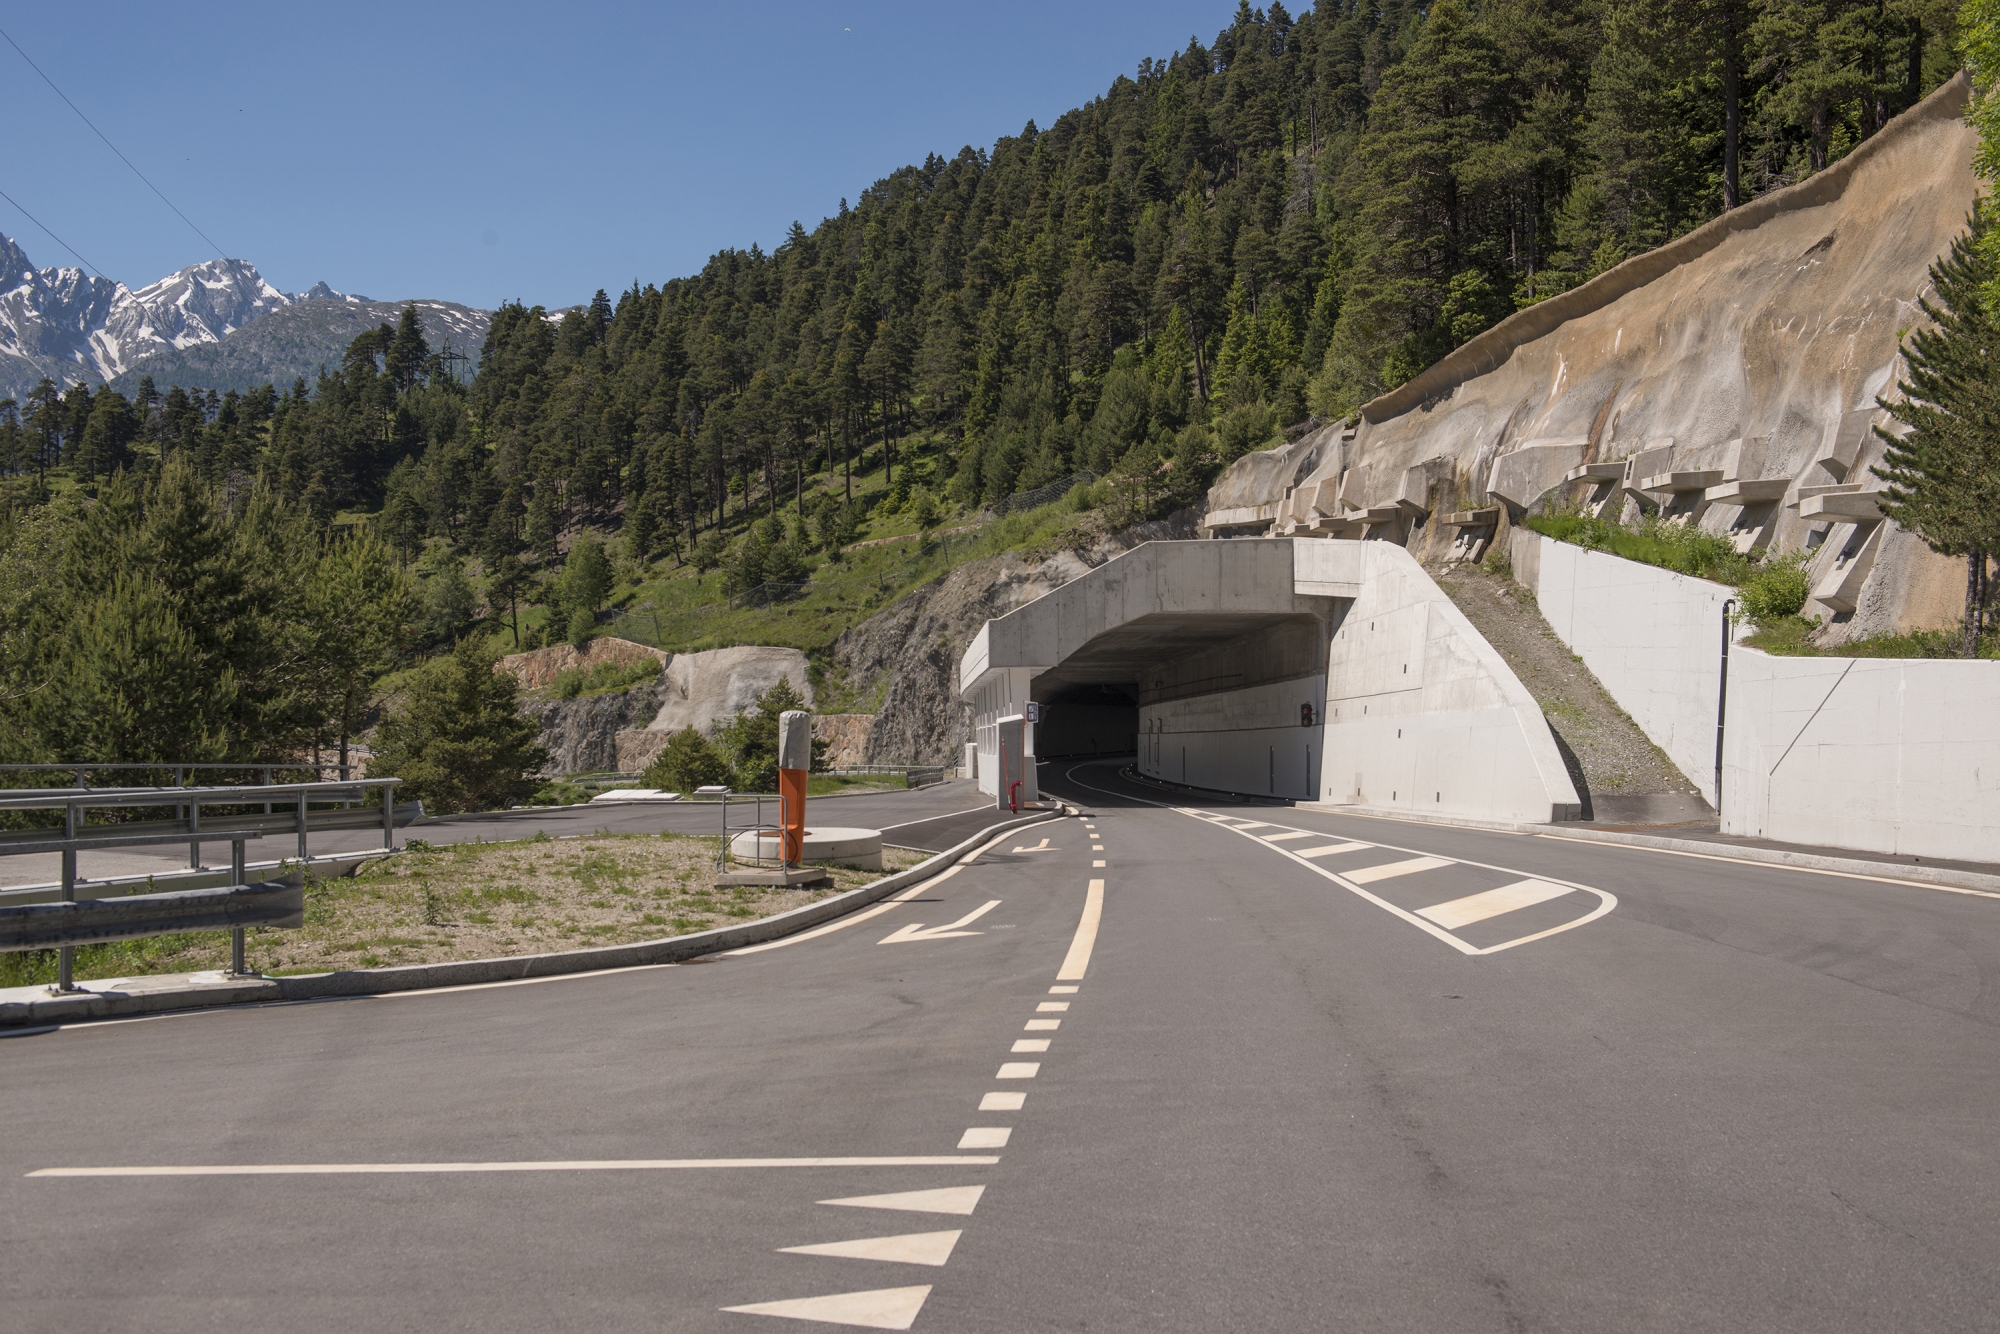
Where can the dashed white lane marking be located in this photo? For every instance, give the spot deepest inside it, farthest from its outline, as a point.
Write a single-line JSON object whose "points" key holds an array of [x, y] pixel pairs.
{"points": [[985, 1137], [912, 1248], [573, 1165], [916, 931], [1330, 850], [1018, 1070], [1280, 838], [1478, 907], [1097, 866], [884, 1308], [1003, 1102], [1063, 991], [1077, 961], [1025, 1045], [945, 1200], [1052, 1007], [1368, 875], [1042, 1025]]}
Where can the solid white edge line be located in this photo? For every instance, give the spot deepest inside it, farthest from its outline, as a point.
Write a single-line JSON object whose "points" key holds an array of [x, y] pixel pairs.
{"points": [[1607, 903], [578, 1165], [1776, 866], [1077, 961], [974, 810]]}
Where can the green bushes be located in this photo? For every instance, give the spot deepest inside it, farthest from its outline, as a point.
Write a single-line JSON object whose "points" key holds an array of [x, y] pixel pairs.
{"points": [[1671, 546], [604, 678], [1776, 589], [688, 762]]}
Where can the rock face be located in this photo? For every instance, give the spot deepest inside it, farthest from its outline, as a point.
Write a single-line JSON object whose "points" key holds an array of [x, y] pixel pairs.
{"points": [[1738, 364], [584, 735], [915, 643], [846, 737]]}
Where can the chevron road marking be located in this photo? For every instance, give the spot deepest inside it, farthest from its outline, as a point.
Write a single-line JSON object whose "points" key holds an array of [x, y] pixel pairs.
{"points": [[883, 1308], [912, 1248]]}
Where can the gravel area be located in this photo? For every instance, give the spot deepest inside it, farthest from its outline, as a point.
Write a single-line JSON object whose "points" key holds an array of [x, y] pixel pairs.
{"points": [[1611, 761]]}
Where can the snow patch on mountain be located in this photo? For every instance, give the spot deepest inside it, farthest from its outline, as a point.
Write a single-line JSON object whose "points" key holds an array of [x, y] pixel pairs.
{"points": [[65, 325]]}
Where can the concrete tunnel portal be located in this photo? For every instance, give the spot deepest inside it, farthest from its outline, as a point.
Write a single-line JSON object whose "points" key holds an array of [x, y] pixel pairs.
{"points": [[1302, 669]]}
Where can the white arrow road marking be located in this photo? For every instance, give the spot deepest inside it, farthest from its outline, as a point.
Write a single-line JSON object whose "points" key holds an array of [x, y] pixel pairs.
{"points": [[947, 1200], [912, 1248], [1042, 846], [883, 1308], [916, 931]]}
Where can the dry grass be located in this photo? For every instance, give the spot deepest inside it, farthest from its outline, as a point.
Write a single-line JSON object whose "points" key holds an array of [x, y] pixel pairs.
{"points": [[476, 901]]}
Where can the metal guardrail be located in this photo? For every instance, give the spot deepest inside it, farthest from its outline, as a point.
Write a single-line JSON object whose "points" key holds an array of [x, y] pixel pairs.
{"points": [[136, 915], [916, 775]]}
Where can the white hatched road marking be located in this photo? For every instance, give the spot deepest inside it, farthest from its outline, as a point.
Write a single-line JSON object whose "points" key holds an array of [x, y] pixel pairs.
{"points": [[1330, 850], [1419, 861], [1280, 838], [1478, 907], [1368, 875]]}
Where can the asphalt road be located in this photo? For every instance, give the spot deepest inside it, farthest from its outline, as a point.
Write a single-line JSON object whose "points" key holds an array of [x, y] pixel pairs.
{"points": [[1520, 1083]]}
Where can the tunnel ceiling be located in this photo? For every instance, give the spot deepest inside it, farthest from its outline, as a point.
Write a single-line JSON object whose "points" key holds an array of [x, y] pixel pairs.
{"points": [[1122, 655]]}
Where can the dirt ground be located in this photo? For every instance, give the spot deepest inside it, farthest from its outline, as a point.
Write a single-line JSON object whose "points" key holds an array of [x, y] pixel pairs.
{"points": [[1607, 753]]}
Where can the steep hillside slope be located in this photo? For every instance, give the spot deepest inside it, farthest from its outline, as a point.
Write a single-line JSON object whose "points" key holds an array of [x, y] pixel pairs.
{"points": [[1752, 348]]}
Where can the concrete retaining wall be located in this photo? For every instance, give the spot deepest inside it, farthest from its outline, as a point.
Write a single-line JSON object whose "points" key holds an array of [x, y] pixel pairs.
{"points": [[1653, 637], [1421, 712], [1247, 741], [1887, 755], [1879, 755]]}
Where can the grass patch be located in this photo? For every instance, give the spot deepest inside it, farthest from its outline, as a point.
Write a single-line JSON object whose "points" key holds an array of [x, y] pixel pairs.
{"points": [[1788, 639], [606, 678], [1671, 546], [437, 904]]}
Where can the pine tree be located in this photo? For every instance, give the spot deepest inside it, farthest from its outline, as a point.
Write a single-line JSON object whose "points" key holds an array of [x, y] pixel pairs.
{"points": [[1943, 477], [455, 737]]}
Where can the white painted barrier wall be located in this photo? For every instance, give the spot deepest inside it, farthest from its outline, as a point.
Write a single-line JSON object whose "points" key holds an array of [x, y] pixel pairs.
{"points": [[1422, 714], [1653, 637], [1887, 755], [1876, 754]]}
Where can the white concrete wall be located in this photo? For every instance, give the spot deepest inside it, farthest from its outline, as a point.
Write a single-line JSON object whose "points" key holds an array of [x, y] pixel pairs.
{"points": [[1002, 693], [1421, 712], [1652, 637], [1248, 741], [1886, 755]]}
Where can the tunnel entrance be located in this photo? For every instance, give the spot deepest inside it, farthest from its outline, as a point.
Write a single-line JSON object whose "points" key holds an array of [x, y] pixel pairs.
{"points": [[1079, 721]]}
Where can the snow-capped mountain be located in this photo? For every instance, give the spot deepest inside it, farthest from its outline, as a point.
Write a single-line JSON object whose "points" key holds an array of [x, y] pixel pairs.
{"points": [[67, 326]]}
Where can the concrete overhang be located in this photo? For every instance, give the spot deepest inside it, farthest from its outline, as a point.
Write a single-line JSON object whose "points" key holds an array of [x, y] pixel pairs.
{"points": [[1157, 602]]}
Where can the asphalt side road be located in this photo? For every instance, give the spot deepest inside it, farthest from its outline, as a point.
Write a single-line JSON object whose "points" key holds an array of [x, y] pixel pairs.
{"points": [[1190, 1069]]}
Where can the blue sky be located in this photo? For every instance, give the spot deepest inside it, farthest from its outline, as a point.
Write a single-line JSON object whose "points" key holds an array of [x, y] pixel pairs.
{"points": [[537, 151]]}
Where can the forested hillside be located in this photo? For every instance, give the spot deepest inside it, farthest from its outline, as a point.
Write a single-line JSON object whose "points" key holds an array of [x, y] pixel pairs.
{"points": [[1284, 222]]}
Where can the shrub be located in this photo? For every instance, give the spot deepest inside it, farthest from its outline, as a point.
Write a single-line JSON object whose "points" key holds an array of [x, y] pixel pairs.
{"points": [[1777, 589], [604, 678], [688, 762], [456, 739]]}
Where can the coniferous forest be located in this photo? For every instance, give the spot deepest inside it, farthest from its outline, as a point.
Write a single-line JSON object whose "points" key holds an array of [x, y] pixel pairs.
{"points": [[1284, 222]]}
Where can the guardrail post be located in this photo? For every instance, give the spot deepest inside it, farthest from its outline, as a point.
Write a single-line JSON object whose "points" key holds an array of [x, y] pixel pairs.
{"points": [[267, 783], [236, 877], [194, 827], [66, 955], [389, 816], [302, 821]]}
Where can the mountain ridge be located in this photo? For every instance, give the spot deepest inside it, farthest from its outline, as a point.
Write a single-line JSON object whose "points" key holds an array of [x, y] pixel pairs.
{"points": [[193, 327]]}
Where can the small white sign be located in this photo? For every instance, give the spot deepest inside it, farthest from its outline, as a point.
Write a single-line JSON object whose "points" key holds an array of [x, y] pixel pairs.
{"points": [[1034, 712]]}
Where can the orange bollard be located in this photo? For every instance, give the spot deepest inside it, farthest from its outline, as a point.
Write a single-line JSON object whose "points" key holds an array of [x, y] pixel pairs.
{"points": [[794, 762]]}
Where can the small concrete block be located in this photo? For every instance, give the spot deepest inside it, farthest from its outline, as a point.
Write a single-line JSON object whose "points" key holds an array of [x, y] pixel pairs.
{"points": [[1682, 481], [1845, 506]]}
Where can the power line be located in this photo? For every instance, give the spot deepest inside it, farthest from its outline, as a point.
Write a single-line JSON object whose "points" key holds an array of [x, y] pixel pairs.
{"points": [[113, 147], [52, 236]]}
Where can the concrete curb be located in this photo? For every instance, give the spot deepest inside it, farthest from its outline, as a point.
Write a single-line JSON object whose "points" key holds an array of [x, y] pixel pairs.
{"points": [[183, 992]]}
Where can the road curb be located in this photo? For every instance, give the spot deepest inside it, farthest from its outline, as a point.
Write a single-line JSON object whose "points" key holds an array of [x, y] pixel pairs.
{"points": [[183, 993]]}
